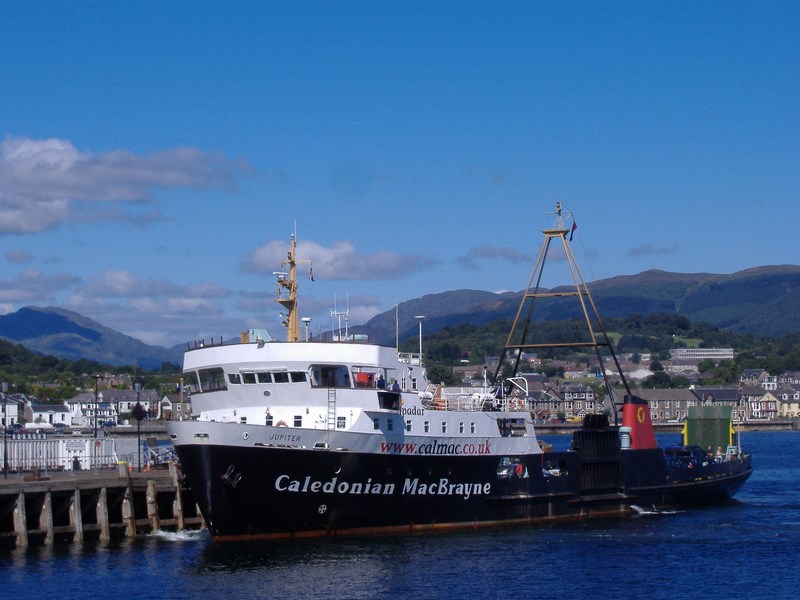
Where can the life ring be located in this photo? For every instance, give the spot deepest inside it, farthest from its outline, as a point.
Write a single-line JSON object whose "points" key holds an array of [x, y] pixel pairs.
{"points": [[281, 424]]}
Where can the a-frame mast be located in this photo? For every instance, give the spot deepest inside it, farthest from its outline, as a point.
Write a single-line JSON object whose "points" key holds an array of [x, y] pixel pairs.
{"points": [[520, 336]]}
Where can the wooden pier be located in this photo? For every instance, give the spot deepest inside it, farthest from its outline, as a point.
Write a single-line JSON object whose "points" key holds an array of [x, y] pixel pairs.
{"points": [[78, 506]]}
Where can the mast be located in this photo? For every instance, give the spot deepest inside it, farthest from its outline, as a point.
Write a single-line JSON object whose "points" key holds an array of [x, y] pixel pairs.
{"points": [[521, 336], [286, 294]]}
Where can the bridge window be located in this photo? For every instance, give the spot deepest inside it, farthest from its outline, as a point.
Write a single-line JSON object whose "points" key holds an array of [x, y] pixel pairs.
{"points": [[330, 376], [212, 379], [248, 377], [264, 377], [365, 377]]}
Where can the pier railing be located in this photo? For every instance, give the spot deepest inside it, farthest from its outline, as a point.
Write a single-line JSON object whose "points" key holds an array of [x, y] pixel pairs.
{"points": [[59, 454]]}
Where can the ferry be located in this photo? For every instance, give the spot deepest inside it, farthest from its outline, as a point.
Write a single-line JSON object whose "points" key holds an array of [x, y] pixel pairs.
{"points": [[304, 438]]}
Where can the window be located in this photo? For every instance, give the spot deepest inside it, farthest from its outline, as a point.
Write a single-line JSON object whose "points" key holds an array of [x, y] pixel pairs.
{"points": [[341, 422], [390, 424], [298, 420], [233, 378], [408, 424], [461, 427], [472, 427], [444, 426], [243, 420], [269, 419], [281, 377], [376, 423], [264, 377], [248, 377], [212, 379], [330, 376], [426, 426], [365, 377], [298, 376]]}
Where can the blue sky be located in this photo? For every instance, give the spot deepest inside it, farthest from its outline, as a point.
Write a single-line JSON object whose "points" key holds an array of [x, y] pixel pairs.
{"points": [[155, 157]]}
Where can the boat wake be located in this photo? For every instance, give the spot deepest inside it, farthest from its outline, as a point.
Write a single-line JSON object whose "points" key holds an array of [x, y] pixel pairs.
{"points": [[179, 536], [642, 511]]}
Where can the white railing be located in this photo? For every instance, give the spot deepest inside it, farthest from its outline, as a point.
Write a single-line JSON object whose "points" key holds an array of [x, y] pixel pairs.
{"points": [[61, 454]]}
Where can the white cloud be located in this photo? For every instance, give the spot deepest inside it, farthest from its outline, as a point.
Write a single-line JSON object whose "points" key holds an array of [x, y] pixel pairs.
{"points": [[120, 284], [47, 182], [485, 252], [19, 256], [33, 286], [340, 262]]}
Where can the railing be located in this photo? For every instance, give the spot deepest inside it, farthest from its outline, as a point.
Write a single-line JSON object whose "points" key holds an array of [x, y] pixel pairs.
{"points": [[409, 358], [434, 398], [62, 454]]}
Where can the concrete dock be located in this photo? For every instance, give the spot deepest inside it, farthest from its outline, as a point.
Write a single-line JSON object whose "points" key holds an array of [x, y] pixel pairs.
{"points": [[75, 506]]}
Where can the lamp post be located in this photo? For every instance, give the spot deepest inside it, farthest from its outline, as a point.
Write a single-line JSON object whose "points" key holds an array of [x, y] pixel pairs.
{"points": [[420, 318], [5, 429], [96, 407], [96, 378], [138, 415]]}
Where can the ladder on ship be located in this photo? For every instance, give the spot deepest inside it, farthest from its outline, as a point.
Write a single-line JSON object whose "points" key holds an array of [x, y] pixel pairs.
{"points": [[331, 409]]}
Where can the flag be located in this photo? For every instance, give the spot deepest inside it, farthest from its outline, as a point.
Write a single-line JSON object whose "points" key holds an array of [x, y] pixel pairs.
{"points": [[311, 272], [572, 231]]}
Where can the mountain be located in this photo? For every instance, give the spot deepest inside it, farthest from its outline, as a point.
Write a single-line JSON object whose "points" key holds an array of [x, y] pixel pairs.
{"points": [[69, 335], [764, 301]]}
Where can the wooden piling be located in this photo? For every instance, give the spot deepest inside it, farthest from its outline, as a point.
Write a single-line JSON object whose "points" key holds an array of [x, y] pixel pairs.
{"points": [[77, 507]]}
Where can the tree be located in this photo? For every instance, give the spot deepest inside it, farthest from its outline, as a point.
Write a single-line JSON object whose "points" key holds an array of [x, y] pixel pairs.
{"points": [[706, 365], [658, 380], [441, 374], [656, 366]]}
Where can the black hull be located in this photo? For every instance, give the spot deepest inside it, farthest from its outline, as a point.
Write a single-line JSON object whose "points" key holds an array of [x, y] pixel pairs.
{"points": [[252, 493]]}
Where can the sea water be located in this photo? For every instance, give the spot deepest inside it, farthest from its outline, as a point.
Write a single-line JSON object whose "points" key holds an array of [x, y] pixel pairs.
{"points": [[748, 548]]}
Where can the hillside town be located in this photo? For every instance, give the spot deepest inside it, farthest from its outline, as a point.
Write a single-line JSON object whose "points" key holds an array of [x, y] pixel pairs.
{"points": [[756, 397], [111, 405]]}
